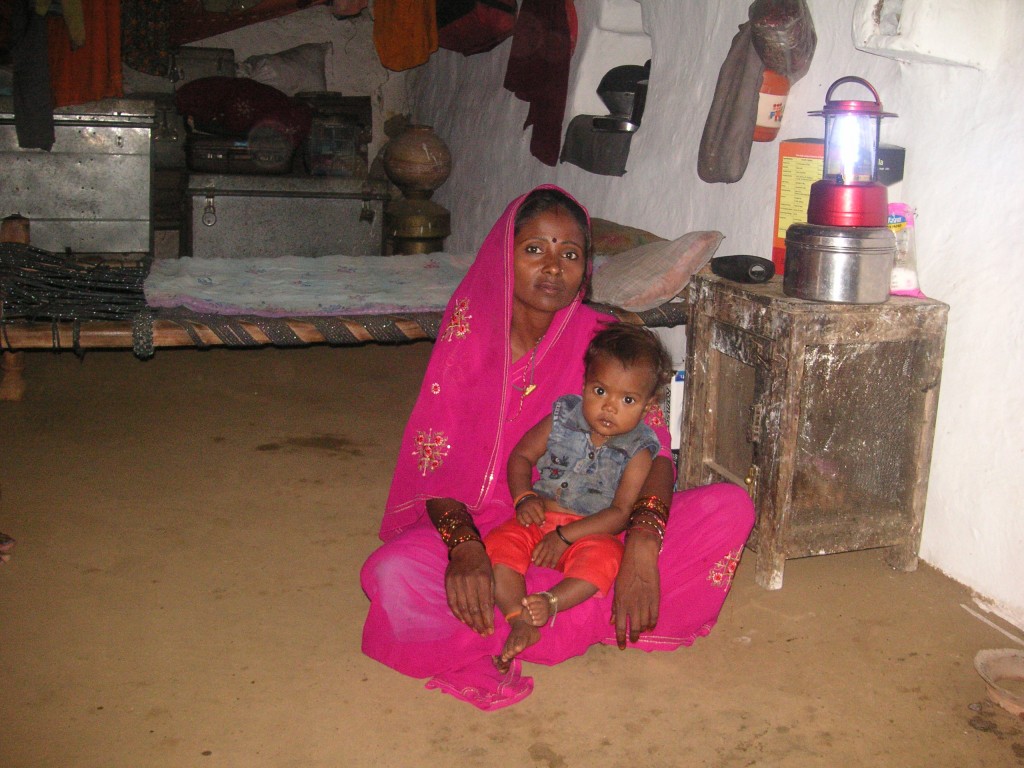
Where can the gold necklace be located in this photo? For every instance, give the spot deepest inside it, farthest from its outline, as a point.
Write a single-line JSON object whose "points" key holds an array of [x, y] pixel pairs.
{"points": [[528, 383]]}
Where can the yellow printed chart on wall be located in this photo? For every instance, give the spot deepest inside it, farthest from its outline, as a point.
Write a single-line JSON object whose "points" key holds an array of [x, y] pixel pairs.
{"points": [[800, 165]]}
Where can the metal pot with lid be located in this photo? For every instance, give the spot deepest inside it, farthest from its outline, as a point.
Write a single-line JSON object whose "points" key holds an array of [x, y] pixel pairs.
{"points": [[851, 265]]}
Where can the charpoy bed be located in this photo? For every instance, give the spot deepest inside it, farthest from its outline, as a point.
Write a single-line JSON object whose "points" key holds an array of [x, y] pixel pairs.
{"points": [[53, 302]]}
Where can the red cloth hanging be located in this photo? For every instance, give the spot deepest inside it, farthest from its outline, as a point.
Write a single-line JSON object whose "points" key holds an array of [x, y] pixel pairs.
{"points": [[93, 71], [538, 70]]}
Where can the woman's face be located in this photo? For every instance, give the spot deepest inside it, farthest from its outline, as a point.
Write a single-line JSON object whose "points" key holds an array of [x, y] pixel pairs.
{"points": [[549, 261]]}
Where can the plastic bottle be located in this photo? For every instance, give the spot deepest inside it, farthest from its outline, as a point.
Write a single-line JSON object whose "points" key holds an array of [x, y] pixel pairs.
{"points": [[771, 103], [904, 269]]}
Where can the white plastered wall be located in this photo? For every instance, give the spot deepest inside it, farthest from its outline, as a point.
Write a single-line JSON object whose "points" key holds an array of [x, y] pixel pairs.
{"points": [[962, 130]]}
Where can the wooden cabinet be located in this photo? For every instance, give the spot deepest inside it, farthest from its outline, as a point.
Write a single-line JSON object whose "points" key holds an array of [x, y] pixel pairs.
{"points": [[826, 412]]}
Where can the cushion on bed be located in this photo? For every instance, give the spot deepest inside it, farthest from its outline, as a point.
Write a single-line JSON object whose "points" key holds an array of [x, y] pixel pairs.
{"points": [[609, 237], [653, 273], [298, 69]]}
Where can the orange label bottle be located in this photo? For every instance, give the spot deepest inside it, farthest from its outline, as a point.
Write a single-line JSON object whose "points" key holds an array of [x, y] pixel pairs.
{"points": [[771, 103]]}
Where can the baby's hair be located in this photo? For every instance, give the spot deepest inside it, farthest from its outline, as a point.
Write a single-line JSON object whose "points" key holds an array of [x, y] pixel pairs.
{"points": [[631, 345], [541, 200]]}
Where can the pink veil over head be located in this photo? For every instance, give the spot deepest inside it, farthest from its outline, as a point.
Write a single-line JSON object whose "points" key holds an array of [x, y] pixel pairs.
{"points": [[468, 414]]}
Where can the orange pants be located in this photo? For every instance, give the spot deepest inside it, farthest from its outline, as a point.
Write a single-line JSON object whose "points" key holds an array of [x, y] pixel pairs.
{"points": [[594, 559]]}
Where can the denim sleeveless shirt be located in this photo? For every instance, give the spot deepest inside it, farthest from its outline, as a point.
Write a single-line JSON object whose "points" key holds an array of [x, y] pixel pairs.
{"points": [[577, 475]]}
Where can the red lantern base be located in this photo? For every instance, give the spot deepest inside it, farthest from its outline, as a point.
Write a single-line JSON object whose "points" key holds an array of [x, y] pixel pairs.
{"points": [[860, 204]]}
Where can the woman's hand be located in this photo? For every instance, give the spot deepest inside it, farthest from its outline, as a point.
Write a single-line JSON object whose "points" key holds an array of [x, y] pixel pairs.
{"points": [[469, 585], [637, 590], [548, 550], [530, 512], [638, 585]]}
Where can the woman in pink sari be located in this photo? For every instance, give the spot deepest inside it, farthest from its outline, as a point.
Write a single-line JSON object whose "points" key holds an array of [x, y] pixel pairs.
{"points": [[512, 340]]}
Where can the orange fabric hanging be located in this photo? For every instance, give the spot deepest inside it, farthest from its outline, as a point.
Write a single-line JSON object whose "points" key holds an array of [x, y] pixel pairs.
{"points": [[404, 32], [93, 71]]}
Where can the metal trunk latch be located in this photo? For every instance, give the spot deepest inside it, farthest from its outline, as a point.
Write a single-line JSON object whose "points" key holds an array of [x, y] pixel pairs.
{"points": [[209, 212], [367, 213]]}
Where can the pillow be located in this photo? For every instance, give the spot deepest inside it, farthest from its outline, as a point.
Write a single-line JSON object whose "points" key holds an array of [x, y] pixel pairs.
{"points": [[649, 275], [610, 237], [298, 69]]}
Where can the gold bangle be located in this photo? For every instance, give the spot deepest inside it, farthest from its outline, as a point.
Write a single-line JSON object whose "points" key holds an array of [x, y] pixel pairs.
{"points": [[651, 533], [450, 521], [652, 504], [645, 515], [453, 543], [649, 530], [652, 523]]}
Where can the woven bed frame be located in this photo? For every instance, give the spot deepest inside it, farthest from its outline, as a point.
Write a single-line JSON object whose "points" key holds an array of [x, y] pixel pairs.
{"points": [[144, 329], [181, 328]]}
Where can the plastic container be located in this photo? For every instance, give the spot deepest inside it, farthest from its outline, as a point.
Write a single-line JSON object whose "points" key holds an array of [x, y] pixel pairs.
{"points": [[771, 103], [904, 280]]}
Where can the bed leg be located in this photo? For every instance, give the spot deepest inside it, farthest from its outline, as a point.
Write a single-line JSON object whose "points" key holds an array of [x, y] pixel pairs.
{"points": [[12, 379]]}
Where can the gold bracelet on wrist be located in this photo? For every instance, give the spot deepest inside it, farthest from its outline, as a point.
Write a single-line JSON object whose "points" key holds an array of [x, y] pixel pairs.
{"points": [[653, 505], [648, 529], [462, 539], [649, 516]]}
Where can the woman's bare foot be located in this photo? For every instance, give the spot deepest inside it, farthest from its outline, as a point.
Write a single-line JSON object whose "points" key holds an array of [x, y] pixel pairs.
{"points": [[522, 636], [536, 609]]}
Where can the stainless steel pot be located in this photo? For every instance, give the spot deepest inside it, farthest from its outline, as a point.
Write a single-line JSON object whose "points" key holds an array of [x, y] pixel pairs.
{"points": [[851, 265]]}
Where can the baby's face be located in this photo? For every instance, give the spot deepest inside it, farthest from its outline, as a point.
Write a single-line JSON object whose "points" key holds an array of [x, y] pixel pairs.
{"points": [[615, 397]]}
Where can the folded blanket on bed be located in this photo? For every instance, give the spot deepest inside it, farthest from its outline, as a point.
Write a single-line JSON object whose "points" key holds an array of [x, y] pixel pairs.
{"points": [[295, 286]]}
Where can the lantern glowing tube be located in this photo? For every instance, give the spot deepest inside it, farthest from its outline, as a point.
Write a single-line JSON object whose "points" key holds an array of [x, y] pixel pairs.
{"points": [[848, 194]]}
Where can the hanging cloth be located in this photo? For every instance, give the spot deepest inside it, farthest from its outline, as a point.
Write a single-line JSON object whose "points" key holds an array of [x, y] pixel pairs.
{"points": [[146, 35], [474, 26], [404, 32], [92, 71], [33, 101], [538, 70]]}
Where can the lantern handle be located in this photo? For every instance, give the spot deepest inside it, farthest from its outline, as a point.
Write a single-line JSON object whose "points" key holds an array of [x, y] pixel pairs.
{"points": [[853, 79]]}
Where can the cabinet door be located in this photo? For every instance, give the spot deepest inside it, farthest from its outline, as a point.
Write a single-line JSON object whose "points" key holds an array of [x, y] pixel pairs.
{"points": [[726, 404]]}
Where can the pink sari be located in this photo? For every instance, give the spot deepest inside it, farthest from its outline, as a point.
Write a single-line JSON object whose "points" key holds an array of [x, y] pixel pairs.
{"points": [[467, 418]]}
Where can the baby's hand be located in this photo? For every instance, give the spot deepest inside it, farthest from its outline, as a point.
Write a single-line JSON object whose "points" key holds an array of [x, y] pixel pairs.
{"points": [[531, 512], [548, 551]]}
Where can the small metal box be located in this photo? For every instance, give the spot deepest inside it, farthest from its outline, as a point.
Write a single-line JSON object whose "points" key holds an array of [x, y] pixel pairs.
{"points": [[235, 216], [92, 192]]}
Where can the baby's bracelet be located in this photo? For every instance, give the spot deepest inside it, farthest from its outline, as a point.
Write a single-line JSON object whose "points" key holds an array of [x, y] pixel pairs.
{"points": [[558, 532], [523, 497]]}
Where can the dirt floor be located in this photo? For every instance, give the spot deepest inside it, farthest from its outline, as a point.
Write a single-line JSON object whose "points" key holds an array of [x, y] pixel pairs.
{"points": [[184, 592]]}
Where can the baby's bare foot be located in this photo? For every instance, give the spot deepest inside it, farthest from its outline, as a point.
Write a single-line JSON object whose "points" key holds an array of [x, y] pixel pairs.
{"points": [[536, 610], [520, 638]]}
